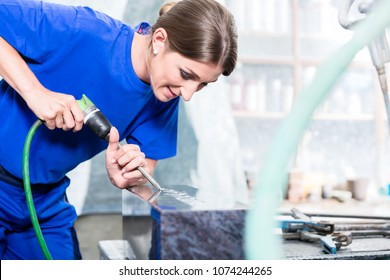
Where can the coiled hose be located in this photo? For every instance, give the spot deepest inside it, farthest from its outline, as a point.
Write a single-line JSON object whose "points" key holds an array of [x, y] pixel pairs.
{"points": [[260, 241], [28, 192]]}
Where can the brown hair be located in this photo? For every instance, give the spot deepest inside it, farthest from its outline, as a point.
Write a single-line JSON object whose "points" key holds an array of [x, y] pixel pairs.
{"points": [[166, 7], [202, 30]]}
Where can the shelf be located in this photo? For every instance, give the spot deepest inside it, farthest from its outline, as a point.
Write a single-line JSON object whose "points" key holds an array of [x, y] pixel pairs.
{"points": [[278, 60], [344, 117], [276, 67], [290, 61], [342, 38], [264, 34], [320, 117], [375, 206], [256, 115]]}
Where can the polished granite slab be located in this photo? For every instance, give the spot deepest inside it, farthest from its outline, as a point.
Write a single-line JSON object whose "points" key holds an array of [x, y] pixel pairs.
{"points": [[182, 222]]}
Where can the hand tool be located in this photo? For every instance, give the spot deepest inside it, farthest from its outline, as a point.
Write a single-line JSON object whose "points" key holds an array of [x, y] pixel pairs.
{"points": [[305, 229], [330, 242], [101, 126], [331, 235]]}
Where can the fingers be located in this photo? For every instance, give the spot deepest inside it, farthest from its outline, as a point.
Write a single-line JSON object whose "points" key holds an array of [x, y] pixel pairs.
{"points": [[112, 151], [130, 153], [122, 163], [62, 111], [59, 121], [130, 170], [72, 117], [113, 143], [62, 120], [77, 116], [130, 163], [50, 123], [129, 157]]}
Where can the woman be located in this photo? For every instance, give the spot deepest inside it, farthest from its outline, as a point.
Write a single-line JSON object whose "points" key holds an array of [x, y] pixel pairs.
{"points": [[50, 55]]}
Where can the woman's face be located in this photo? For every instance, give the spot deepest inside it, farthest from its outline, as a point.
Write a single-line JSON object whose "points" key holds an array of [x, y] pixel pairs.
{"points": [[173, 75]]}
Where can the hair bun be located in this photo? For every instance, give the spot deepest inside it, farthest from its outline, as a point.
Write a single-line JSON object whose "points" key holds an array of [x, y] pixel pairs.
{"points": [[166, 7]]}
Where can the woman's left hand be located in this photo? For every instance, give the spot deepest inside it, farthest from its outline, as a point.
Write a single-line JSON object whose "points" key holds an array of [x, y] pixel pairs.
{"points": [[122, 163]]}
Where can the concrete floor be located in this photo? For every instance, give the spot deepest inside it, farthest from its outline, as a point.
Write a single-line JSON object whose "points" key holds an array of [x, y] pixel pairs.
{"points": [[93, 228]]}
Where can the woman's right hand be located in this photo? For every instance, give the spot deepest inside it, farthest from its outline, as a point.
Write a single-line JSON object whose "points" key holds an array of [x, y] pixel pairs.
{"points": [[56, 110]]}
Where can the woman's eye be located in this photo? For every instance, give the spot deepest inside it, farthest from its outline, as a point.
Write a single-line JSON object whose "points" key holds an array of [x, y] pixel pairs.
{"points": [[185, 75]]}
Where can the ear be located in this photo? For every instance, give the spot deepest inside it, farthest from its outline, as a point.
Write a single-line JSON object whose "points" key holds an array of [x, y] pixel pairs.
{"points": [[159, 39]]}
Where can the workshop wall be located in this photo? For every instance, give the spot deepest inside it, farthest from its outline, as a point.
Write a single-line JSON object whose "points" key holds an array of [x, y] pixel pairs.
{"points": [[282, 43]]}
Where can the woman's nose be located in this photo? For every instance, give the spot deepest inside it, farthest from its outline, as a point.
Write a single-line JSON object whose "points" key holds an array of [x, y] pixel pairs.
{"points": [[188, 91]]}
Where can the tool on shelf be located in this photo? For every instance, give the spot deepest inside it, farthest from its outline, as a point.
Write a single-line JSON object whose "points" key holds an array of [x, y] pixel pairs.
{"points": [[331, 235], [303, 228]]}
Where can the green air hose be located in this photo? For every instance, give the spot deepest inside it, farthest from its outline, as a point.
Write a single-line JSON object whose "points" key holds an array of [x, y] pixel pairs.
{"points": [[260, 241], [27, 190], [85, 105]]}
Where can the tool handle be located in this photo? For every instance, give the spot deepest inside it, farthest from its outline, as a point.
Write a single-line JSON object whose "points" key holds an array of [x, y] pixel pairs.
{"points": [[149, 178]]}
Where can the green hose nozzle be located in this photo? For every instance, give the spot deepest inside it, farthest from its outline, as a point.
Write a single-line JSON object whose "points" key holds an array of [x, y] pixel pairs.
{"points": [[85, 103]]}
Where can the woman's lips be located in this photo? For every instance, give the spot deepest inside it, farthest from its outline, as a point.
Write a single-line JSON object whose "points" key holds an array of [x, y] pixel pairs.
{"points": [[171, 94]]}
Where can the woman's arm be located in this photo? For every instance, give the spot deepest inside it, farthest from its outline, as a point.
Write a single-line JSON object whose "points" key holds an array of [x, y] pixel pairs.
{"points": [[55, 109]]}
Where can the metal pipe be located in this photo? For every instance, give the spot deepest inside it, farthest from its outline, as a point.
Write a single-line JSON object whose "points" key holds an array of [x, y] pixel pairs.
{"points": [[379, 49]]}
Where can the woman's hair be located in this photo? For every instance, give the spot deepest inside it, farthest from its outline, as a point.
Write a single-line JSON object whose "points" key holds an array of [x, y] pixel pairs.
{"points": [[202, 30]]}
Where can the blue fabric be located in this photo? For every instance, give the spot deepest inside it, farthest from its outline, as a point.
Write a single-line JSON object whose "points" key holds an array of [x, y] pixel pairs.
{"points": [[56, 217], [77, 50]]}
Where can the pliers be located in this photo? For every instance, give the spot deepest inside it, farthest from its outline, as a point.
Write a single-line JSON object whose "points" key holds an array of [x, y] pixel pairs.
{"points": [[305, 229]]}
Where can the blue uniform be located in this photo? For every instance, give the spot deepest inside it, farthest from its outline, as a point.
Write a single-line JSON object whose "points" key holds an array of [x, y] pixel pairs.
{"points": [[73, 50]]}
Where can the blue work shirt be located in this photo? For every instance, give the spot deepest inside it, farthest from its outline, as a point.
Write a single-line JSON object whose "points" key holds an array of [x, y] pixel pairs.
{"points": [[77, 50]]}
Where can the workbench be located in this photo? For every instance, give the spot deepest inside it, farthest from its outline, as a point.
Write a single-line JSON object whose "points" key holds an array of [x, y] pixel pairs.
{"points": [[360, 249], [376, 209], [183, 222]]}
